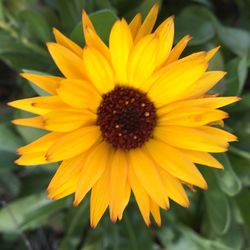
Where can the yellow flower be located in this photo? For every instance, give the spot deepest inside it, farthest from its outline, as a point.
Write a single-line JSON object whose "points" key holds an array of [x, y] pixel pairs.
{"points": [[128, 117]]}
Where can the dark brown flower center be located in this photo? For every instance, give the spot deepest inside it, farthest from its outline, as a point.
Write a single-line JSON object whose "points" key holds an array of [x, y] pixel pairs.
{"points": [[126, 117]]}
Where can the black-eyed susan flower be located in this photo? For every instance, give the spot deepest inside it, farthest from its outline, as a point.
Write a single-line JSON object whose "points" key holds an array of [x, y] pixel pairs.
{"points": [[131, 116]]}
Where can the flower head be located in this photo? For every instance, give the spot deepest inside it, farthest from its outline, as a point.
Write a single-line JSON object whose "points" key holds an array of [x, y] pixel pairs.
{"points": [[131, 116]]}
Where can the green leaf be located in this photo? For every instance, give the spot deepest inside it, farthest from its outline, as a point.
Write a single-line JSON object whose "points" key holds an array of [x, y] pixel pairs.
{"points": [[73, 227], [124, 5], [196, 22], [181, 237], [22, 55], [1, 11], [105, 4], [207, 3], [69, 14], [233, 237], [242, 165], [244, 104], [237, 74], [31, 210], [237, 40], [7, 160], [36, 180], [143, 8], [9, 140], [227, 179], [218, 209], [16, 6], [77, 34], [37, 25], [40, 215], [9, 184], [243, 203]]}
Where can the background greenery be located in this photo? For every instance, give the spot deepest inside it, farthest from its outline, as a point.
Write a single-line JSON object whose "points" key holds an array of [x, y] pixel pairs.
{"points": [[218, 219]]}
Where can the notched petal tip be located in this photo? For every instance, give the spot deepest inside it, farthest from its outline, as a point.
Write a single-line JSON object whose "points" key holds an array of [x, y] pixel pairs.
{"points": [[188, 38], [148, 223], [17, 162], [113, 220], [76, 203], [15, 122], [187, 205], [93, 225], [205, 187], [19, 151], [55, 30], [50, 196]]}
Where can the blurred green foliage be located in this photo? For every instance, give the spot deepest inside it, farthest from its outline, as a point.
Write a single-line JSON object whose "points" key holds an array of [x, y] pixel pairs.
{"points": [[218, 219]]}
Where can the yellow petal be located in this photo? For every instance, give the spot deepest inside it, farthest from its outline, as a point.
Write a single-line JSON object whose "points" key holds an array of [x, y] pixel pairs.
{"points": [[73, 143], [191, 138], [120, 44], [67, 43], [94, 166], [39, 105], [40, 145], [79, 94], [32, 159], [204, 84], [118, 178], [98, 69], [135, 24], [141, 196], [49, 103], [148, 23], [142, 65], [208, 102], [67, 171], [125, 196], [165, 33], [146, 172], [65, 121], [175, 163], [202, 158], [211, 53], [177, 50], [36, 122], [94, 41], [69, 63], [155, 210], [219, 133], [174, 189], [91, 37], [86, 22], [65, 189], [99, 198], [48, 83], [28, 105], [194, 117], [177, 78]]}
